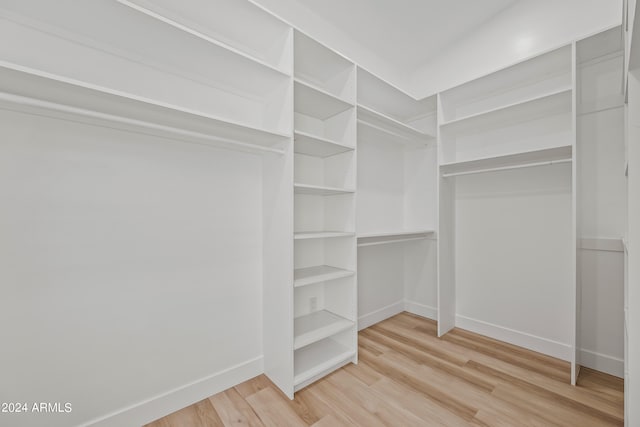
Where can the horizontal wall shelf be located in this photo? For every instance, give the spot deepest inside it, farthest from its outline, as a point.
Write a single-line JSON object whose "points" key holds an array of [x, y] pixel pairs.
{"points": [[317, 274], [542, 157], [315, 102], [317, 358], [531, 108], [216, 48], [321, 234], [320, 190], [391, 126], [316, 146], [318, 326], [58, 97], [386, 237]]}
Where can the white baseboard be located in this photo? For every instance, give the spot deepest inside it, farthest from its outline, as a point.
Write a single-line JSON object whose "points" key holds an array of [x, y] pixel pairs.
{"points": [[511, 336], [178, 398], [421, 309], [380, 315], [601, 362]]}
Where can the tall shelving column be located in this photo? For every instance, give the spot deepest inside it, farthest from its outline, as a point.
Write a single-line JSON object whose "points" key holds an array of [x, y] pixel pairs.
{"points": [[169, 81], [396, 215], [324, 286], [506, 195]]}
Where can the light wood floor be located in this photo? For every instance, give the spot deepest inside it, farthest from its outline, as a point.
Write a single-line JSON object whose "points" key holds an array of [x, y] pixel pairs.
{"points": [[406, 376]]}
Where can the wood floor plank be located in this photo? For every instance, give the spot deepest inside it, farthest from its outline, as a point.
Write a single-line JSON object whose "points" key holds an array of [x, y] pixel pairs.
{"points": [[339, 401], [234, 410], [199, 414], [360, 393], [272, 410], [417, 403], [413, 352], [364, 373], [407, 376]]}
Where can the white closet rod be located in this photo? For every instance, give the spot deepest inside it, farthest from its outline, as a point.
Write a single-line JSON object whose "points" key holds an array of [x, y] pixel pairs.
{"points": [[384, 242], [503, 168], [176, 132]]}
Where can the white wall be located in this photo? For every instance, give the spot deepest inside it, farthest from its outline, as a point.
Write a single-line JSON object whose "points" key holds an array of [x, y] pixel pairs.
{"points": [[129, 267], [508, 225], [525, 29]]}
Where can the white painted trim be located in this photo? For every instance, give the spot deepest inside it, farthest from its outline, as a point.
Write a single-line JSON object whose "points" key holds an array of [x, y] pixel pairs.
{"points": [[602, 362], [511, 336], [158, 406], [598, 244], [421, 310], [380, 315]]}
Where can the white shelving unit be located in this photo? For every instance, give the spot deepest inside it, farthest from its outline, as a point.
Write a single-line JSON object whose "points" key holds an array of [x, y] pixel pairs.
{"points": [[512, 126], [397, 172], [38, 92], [309, 137], [201, 74], [324, 279]]}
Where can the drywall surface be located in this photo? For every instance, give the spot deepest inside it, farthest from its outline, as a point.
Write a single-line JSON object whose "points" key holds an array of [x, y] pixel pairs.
{"points": [[508, 224], [129, 266], [527, 28]]}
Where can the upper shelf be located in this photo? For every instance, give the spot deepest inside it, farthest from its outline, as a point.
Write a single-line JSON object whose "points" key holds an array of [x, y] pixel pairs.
{"points": [[386, 237], [391, 126], [320, 190], [508, 161], [306, 235], [545, 73], [315, 102], [149, 56], [316, 146], [32, 91], [538, 106], [381, 96], [266, 44], [323, 67]]}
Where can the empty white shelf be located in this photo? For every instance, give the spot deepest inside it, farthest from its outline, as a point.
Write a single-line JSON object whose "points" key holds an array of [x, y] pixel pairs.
{"points": [[316, 146], [317, 63], [321, 234], [508, 161], [319, 357], [385, 237], [317, 274], [542, 105], [258, 53], [35, 92], [391, 126], [320, 190], [317, 326], [315, 102]]}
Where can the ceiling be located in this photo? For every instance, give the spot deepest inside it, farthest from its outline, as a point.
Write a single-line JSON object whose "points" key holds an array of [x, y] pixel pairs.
{"points": [[407, 33]]}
